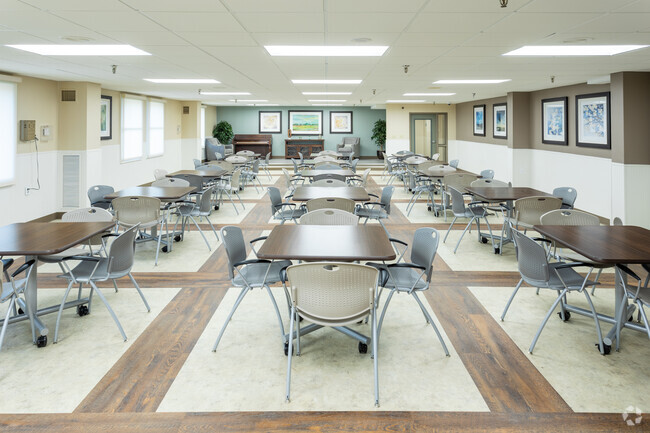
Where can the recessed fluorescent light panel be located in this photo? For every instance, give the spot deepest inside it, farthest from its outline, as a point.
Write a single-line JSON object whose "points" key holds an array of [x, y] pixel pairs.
{"points": [[248, 100], [428, 94], [326, 51], [573, 50], [224, 93], [262, 105], [182, 80], [404, 101], [326, 81], [470, 81], [82, 50], [326, 100], [326, 93]]}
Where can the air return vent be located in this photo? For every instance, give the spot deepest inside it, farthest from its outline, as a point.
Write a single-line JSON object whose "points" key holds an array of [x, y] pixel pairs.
{"points": [[70, 180], [186, 109], [68, 95]]}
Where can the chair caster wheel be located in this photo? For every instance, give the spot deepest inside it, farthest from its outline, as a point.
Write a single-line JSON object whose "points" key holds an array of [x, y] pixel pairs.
{"points": [[178, 238], [41, 341], [429, 208], [567, 316], [484, 240], [607, 348], [82, 310], [363, 348], [216, 207], [20, 311], [164, 249], [497, 250], [286, 348]]}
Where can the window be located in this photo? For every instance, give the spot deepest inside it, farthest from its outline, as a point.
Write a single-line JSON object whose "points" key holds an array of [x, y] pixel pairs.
{"points": [[8, 132], [156, 128], [132, 128]]}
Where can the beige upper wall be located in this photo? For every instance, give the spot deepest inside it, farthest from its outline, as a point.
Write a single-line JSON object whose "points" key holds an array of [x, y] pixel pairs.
{"points": [[398, 119], [210, 119], [37, 100], [465, 122]]}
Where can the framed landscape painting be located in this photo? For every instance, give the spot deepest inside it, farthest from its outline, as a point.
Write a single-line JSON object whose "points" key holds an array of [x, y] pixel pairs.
{"points": [[593, 120], [500, 121], [306, 122], [270, 122], [479, 120], [340, 122], [555, 121], [106, 117]]}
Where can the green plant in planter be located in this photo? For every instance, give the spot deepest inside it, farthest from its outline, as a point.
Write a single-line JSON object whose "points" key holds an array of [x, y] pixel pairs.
{"points": [[379, 134], [223, 132]]}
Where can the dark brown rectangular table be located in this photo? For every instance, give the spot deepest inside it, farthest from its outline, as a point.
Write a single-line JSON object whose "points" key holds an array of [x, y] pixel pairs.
{"points": [[499, 194], [164, 193], [338, 243], [33, 239], [204, 172], [605, 244], [316, 172], [305, 193]]}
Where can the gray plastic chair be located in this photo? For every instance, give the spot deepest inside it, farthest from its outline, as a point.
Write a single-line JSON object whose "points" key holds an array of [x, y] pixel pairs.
{"points": [[189, 210], [96, 194], [170, 181], [327, 166], [529, 210], [454, 163], [143, 212], [249, 274], [338, 177], [159, 173], [193, 180], [568, 196], [536, 271], [91, 269], [230, 185], [292, 182], [329, 217], [333, 295], [359, 180], [638, 294], [414, 276], [284, 211], [341, 203], [460, 181], [329, 182], [12, 290], [418, 185], [264, 165], [487, 174], [474, 211], [617, 221], [377, 210]]}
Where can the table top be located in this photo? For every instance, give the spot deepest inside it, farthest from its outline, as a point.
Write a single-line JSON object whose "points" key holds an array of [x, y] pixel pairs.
{"points": [[159, 192], [490, 193], [326, 153], [603, 244], [438, 171], [237, 159], [356, 193], [415, 160], [204, 172], [37, 238], [316, 172], [341, 243]]}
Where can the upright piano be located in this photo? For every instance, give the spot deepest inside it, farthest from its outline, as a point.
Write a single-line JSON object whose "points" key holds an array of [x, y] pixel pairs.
{"points": [[258, 143]]}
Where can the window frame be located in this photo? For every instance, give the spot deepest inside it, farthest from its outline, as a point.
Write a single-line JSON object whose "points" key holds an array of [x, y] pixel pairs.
{"points": [[9, 144]]}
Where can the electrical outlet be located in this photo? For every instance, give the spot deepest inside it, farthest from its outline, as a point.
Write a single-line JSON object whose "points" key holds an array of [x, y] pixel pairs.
{"points": [[27, 190]]}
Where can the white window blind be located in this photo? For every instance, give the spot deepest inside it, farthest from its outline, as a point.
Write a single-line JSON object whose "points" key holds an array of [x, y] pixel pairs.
{"points": [[132, 128], [8, 132], [156, 128]]}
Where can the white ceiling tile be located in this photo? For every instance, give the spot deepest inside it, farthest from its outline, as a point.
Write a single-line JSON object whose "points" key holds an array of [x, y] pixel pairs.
{"points": [[110, 21], [350, 38], [364, 6], [175, 5], [281, 22], [540, 23], [77, 5], [196, 21], [316, 38], [290, 6], [564, 6], [215, 39], [368, 22], [468, 22], [480, 6], [147, 38], [433, 39], [612, 23], [10, 37]]}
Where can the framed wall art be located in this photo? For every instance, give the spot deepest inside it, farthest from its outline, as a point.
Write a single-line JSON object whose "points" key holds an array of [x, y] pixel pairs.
{"points": [[270, 122], [500, 120], [555, 121], [340, 122], [306, 122], [479, 120], [106, 118], [593, 121]]}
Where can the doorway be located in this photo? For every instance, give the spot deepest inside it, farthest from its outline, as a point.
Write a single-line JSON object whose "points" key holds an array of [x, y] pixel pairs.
{"points": [[429, 134]]}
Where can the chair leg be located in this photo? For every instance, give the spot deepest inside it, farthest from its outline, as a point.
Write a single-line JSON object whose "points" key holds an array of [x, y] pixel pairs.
{"points": [[277, 311], [599, 333], [225, 324], [449, 229], [201, 231], [463, 234], [430, 320], [58, 317], [212, 227], [158, 248], [137, 287], [548, 315], [505, 310], [115, 285], [290, 353], [375, 344], [110, 310], [383, 312], [12, 303], [593, 289], [645, 318]]}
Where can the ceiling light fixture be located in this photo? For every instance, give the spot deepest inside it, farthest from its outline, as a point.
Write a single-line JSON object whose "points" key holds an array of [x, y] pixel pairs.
{"points": [[326, 100], [248, 100], [82, 50], [470, 81], [404, 101], [573, 50], [428, 94], [201, 92], [325, 51], [326, 93], [182, 80], [326, 81]]}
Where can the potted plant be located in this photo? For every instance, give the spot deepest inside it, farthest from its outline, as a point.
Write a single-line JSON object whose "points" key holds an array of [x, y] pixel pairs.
{"points": [[223, 132], [379, 137]]}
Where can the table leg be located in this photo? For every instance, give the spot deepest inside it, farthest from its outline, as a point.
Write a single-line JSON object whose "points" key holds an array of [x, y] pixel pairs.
{"points": [[31, 299]]}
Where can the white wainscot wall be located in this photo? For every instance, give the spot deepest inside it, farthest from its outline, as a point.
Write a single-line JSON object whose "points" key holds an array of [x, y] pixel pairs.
{"points": [[394, 145], [630, 200], [476, 157]]}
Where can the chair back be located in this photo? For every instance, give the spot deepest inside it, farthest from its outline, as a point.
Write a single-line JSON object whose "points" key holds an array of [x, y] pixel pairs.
{"points": [[329, 182], [333, 294], [324, 158], [268, 158], [617, 221], [459, 180], [353, 166], [531, 260], [426, 164], [287, 178], [386, 195], [424, 247], [197, 163], [133, 210], [226, 165], [295, 166], [567, 194], [233, 242], [364, 177], [205, 201], [275, 197], [159, 173], [344, 204], [255, 168], [457, 201], [325, 165], [170, 181], [192, 179], [329, 217], [569, 217], [435, 157], [96, 194], [490, 183], [339, 177], [235, 179], [89, 214], [121, 253], [218, 156], [529, 210], [487, 174], [302, 158], [454, 163]]}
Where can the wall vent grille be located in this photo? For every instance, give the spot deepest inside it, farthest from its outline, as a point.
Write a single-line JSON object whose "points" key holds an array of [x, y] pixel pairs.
{"points": [[71, 180], [68, 95], [186, 109]]}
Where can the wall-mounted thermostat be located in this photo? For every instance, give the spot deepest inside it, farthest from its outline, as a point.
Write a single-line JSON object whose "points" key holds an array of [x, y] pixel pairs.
{"points": [[27, 130]]}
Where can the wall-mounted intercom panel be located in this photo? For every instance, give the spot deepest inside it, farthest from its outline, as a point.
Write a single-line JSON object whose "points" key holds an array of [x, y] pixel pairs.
{"points": [[27, 130]]}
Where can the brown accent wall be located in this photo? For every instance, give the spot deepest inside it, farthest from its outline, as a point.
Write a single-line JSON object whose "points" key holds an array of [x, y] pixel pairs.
{"points": [[519, 120], [465, 122], [630, 117]]}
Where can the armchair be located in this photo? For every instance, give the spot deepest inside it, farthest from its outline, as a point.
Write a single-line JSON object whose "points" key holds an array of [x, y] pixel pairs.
{"points": [[213, 146], [350, 145]]}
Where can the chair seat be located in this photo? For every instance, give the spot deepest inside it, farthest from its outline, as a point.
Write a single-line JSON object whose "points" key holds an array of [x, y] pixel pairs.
{"points": [[254, 273], [405, 277], [644, 293], [55, 258], [7, 290], [370, 213], [84, 270], [571, 278], [289, 214]]}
